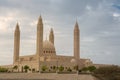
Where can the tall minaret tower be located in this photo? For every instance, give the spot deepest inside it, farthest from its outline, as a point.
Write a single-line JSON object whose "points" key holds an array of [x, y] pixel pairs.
{"points": [[39, 42], [51, 36], [76, 42], [16, 43]]}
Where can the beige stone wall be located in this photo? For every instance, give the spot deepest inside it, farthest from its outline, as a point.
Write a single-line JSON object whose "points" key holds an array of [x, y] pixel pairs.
{"points": [[49, 61]]}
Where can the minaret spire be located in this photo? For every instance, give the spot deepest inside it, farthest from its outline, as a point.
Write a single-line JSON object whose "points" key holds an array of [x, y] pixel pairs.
{"points": [[39, 41], [40, 20], [51, 36], [17, 26], [39, 50], [76, 42], [16, 43], [76, 26]]}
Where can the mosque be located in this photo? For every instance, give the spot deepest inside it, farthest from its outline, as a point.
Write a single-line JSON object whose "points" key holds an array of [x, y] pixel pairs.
{"points": [[46, 52]]}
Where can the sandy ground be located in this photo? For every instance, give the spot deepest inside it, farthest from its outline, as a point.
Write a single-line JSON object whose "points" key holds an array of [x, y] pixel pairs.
{"points": [[44, 76]]}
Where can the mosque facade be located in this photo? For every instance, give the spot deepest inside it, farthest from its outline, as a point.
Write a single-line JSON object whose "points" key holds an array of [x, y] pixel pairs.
{"points": [[46, 52]]}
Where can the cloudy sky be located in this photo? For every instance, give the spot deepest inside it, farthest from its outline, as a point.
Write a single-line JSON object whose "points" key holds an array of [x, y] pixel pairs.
{"points": [[99, 23]]}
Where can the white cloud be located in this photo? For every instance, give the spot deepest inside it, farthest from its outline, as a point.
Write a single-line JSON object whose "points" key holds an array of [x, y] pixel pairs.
{"points": [[116, 14], [33, 23], [88, 7], [4, 22]]}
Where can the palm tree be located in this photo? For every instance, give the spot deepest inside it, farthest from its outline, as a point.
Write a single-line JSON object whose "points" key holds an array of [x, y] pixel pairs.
{"points": [[26, 67], [15, 67]]}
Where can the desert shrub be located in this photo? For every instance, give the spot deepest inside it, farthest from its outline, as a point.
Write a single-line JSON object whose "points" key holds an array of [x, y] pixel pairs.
{"points": [[108, 73], [107, 70]]}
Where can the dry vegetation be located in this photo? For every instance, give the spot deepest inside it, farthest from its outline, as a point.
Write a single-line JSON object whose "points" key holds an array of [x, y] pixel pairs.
{"points": [[108, 73]]}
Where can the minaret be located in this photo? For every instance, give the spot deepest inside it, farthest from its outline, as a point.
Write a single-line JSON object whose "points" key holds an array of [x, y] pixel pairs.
{"points": [[16, 43], [51, 36], [76, 42], [39, 42]]}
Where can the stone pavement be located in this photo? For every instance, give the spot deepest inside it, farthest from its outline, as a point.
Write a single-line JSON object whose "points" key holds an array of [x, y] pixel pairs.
{"points": [[44, 76]]}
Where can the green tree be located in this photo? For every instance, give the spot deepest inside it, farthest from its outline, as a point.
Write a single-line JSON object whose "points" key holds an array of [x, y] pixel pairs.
{"points": [[44, 68], [91, 68], [70, 70], [26, 67], [51, 67], [15, 67], [54, 67], [84, 69], [33, 70], [61, 68], [76, 68]]}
